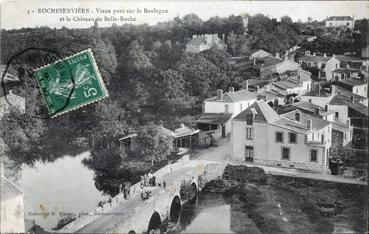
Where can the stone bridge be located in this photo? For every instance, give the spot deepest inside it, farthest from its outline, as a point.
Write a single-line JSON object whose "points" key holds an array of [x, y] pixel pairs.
{"points": [[137, 216]]}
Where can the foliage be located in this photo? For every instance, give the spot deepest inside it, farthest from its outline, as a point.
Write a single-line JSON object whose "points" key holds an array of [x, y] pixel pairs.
{"points": [[153, 144]]}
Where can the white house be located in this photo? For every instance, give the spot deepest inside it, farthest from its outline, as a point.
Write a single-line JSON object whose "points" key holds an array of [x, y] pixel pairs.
{"points": [[294, 139], [340, 22], [259, 54], [226, 105], [12, 208], [200, 43], [341, 129]]}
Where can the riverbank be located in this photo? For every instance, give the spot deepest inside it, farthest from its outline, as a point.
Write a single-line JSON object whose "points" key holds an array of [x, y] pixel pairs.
{"points": [[271, 204]]}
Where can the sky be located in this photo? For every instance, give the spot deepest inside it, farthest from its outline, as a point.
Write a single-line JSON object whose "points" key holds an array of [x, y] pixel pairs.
{"points": [[20, 13]]}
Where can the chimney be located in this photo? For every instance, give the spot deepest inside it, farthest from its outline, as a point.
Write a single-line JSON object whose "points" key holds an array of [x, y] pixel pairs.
{"points": [[300, 81], [267, 87], [182, 126], [194, 36], [348, 122], [333, 89], [254, 61], [307, 52], [247, 85], [309, 124], [325, 55], [2, 169], [223, 37], [314, 53], [352, 99], [326, 108], [316, 111], [231, 89], [220, 95], [257, 89], [261, 97], [277, 55], [333, 55]]}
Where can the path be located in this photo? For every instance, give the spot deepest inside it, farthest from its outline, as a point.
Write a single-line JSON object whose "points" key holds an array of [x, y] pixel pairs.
{"points": [[222, 153]]}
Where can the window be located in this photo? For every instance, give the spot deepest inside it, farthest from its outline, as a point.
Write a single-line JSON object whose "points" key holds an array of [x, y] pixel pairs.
{"points": [[313, 155], [336, 114], [322, 138], [285, 153], [249, 119], [297, 117], [249, 133], [292, 137], [249, 153], [365, 88], [241, 107], [226, 108], [345, 136], [279, 137], [357, 90]]}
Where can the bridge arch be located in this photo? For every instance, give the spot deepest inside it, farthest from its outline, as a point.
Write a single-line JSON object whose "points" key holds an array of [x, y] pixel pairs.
{"points": [[155, 222], [175, 209]]}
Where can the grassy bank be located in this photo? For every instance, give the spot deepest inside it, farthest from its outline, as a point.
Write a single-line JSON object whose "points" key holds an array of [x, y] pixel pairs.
{"points": [[279, 204]]}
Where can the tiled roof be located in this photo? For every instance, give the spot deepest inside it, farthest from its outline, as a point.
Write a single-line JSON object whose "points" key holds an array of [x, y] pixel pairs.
{"points": [[270, 61], [345, 94], [311, 107], [354, 81], [312, 58], [317, 123], [264, 112], [345, 58], [237, 96], [346, 70], [9, 190], [214, 118], [340, 18]]}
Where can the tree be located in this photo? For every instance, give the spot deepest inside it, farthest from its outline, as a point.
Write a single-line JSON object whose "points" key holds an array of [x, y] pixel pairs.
{"points": [[153, 144]]}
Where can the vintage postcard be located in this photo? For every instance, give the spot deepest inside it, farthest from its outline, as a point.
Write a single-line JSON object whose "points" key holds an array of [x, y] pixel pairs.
{"points": [[171, 116]]}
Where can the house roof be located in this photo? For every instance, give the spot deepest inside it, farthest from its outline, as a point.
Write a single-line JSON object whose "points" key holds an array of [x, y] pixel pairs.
{"points": [[311, 107], [184, 131], [312, 58], [346, 70], [340, 18], [263, 112], [347, 95], [354, 81], [317, 123], [9, 190], [270, 61], [260, 53], [214, 118], [237, 96], [345, 58]]}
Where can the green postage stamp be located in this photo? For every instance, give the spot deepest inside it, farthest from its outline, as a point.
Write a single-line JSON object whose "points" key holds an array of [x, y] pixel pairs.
{"points": [[70, 83]]}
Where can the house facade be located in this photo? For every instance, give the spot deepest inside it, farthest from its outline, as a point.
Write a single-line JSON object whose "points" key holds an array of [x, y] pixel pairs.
{"points": [[224, 107], [200, 43], [294, 139], [357, 85], [340, 22]]}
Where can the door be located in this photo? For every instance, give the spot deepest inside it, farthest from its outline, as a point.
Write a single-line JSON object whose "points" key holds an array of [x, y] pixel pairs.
{"points": [[249, 153], [223, 131]]}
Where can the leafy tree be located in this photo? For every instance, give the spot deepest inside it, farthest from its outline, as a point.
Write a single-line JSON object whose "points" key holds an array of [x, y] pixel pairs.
{"points": [[153, 144]]}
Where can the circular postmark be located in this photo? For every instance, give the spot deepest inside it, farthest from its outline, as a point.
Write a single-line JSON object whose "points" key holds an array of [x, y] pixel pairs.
{"points": [[25, 63]]}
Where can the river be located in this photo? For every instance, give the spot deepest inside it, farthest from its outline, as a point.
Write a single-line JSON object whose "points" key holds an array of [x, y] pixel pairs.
{"points": [[55, 188]]}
